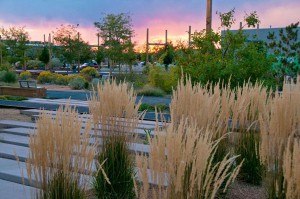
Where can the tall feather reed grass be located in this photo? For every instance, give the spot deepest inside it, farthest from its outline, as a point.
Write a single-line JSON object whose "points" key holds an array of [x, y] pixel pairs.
{"points": [[115, 117], [60, 158], [291, 168], [114, 109], [180, 164], [277, 126]]}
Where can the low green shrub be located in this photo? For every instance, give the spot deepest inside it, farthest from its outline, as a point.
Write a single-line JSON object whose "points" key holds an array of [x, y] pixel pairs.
{"points": [[46, 77], [8, 76], [25, 75], [77, 82], [62, 79], [5, 66], [119, 169], [34, 64], [159, 107], [162, 79], [13, 98], [151, 91], [89, 73], [138, 80]]}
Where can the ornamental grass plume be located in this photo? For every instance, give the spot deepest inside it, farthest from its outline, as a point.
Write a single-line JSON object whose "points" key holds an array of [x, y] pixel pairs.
{"points": [[114, 109], [276, 126], [180, 164], [291, 168], [60, 159]]}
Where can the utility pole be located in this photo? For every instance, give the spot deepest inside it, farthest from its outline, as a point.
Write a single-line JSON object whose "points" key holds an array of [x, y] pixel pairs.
{"points": [[147, 46], [208, 16], [50, 52], [1, 51]]}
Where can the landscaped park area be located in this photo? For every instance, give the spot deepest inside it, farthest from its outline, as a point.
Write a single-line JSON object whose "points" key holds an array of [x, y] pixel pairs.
{"points": [[215, 117]]}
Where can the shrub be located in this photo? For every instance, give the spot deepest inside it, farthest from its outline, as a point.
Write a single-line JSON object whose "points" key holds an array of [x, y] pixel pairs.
{"points": [[165, 80], [77, 83], [34, 64], [145, 107], [59, 153], [46, 77], [8, 76], [151, 91], [13, 98], [119, 169], [89, 73], [62, 79], [5, 66], [138, 80], [25, 75]]}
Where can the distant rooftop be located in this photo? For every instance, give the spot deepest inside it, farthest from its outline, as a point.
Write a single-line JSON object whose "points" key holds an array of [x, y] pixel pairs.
{"points": [[260, 34]]}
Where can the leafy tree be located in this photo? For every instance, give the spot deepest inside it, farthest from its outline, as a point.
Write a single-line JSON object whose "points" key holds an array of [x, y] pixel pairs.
{"points": [[73, 48], [286, 50], [44, 56], [228, 56], [13, 44], [116, 32]]}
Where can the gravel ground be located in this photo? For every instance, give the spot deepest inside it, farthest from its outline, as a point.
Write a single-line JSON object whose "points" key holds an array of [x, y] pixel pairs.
{"points": [[13, 114]]}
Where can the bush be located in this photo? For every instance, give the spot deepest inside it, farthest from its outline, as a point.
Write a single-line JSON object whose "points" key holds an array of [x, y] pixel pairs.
{"points": [[151, 91], [8, 76], [119, 169], [5, 66], [34, 64], [46, 77], [62, 79], [25, 75], [138, 80], [77, 82], [148, 107], [89, 73], [165, 80]]}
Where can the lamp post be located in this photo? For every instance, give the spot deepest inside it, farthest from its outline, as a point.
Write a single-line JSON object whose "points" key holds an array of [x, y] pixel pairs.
{"points": [[208, 16], [0, 51]]}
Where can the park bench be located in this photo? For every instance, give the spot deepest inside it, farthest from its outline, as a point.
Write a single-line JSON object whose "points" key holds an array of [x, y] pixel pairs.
{"points": [[28, 88]]}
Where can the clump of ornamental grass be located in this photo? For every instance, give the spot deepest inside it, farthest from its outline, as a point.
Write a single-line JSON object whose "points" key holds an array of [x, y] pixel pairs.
{"points": [[291, 168], [115, 117], [114, 109], [180, 164], [119, 169], [60, 158], [277, 125]]}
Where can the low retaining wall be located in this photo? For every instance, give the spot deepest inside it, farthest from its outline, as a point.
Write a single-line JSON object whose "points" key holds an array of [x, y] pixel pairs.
{"points": [[25, 92]]}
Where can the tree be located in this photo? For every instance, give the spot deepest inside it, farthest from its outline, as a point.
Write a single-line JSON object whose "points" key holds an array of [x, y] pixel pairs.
{"points": [[227, 56], [286, 51], [44, 56], [13, 42], [73, 48], [116, 32]]}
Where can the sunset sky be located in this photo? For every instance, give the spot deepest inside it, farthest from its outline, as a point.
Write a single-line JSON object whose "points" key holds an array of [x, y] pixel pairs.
{"points": [[44, 16]]}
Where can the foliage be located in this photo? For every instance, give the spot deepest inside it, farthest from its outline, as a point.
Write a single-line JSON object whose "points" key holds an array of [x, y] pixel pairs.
{"points": [[14, 40], [286, 50], [162, 79], [74, 49], [5, 66], [12, 98], [119, 169], [25, 75], [77, 82], [149, 107], [89, 73], [62, 79], [8, 76], [46, 77], [252, 170], [116, 32], [34, 64], [44, 56], [151, 91], [138, 80], [213, 57], [55, 62]]}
